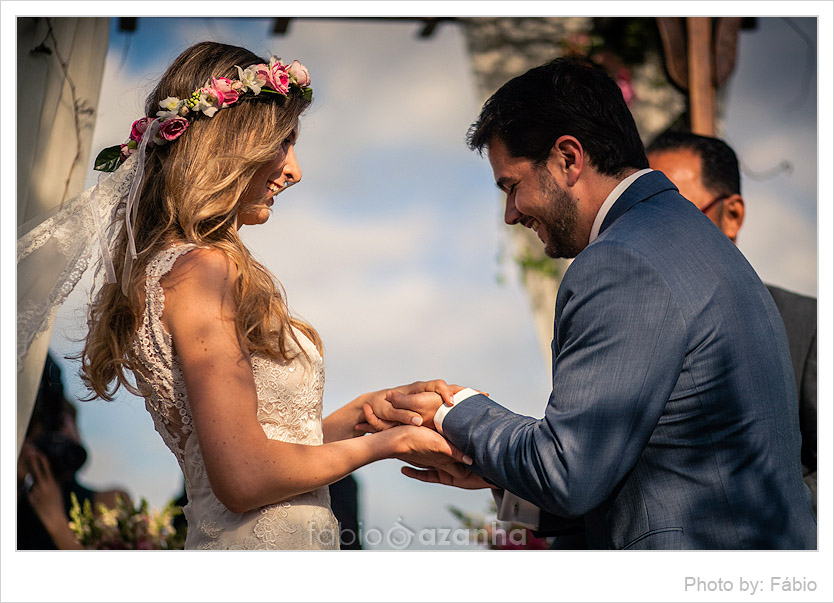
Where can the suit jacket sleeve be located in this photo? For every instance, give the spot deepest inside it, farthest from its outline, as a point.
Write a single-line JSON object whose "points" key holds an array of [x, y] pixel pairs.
{"points": [[618, 349]]}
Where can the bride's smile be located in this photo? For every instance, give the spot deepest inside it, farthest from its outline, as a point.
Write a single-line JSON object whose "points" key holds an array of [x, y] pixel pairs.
{"points": [[269, 180]]}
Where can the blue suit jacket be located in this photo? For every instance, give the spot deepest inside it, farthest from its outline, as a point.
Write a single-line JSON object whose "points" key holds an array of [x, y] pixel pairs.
{"points": [[673, 419]]}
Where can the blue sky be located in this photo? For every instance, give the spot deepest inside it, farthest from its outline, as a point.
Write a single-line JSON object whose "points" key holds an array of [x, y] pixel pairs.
{"points": [[390, 245]]}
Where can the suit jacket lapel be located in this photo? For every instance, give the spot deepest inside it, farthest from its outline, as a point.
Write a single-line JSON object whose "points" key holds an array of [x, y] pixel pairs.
{"points": [[641, 189]]}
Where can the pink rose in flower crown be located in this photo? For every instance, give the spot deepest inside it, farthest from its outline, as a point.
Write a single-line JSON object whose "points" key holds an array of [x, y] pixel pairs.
{"points": [[172, 128], [138, 128], [276, 76], [226, 94], [299, 73]]}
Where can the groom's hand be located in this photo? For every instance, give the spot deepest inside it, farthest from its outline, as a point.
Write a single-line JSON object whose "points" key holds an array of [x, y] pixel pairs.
{"points": [[413, 404], [424, 404], [466, 478], [437, 386]]}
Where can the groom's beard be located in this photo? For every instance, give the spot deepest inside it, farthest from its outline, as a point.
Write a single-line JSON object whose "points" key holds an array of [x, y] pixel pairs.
{"points": [[559, 217]]}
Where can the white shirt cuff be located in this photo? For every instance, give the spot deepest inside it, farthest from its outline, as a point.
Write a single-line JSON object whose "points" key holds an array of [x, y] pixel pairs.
{"points": [[516, 510], [462, 395]]}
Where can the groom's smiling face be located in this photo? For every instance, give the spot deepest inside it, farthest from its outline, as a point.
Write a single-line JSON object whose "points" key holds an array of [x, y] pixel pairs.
{"points": [[536, 200]]}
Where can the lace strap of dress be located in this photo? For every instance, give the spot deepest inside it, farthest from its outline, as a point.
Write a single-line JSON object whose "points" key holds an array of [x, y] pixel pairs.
{"points": [[158, 267], [168, 405], [165, 259]]}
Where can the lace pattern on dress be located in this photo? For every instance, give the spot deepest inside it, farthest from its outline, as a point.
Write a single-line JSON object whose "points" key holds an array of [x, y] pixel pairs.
{"points": [[289, 409]]}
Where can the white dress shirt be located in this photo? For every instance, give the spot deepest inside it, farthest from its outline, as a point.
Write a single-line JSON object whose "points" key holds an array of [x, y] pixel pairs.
{"points": [[610, 200]]}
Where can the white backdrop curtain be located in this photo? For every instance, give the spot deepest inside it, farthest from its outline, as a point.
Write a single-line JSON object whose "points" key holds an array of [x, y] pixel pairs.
{"points": [[54, 132]]}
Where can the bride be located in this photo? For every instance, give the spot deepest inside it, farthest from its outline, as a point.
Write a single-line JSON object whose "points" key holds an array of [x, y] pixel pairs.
{"points": [[232, 380]]}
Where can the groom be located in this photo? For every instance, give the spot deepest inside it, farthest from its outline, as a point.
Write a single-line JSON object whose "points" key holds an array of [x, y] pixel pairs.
{"points": [[672, 423]]}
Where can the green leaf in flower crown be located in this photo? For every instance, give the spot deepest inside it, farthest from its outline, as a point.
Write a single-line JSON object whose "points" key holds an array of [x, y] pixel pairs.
{"points": [[307, 94], [109, 159]]}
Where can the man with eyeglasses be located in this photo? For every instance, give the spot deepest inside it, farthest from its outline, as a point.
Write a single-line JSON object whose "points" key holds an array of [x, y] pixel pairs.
{"points": [[705, 171]]}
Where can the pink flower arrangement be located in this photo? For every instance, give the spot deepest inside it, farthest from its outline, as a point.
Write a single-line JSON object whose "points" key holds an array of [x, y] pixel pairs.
{"points": [[276, 75], [299, 74], [499, 535], [124, 526], [226, 93], [623, 79], [217, 93], [137, 130], [172, 128]]}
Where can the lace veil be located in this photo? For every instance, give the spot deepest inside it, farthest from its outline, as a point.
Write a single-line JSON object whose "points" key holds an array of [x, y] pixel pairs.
{"points": [[53, 255]]}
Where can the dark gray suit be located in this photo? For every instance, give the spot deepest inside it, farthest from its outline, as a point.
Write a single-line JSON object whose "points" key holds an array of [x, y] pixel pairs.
{"points": [[799, 313], [673, 419]]}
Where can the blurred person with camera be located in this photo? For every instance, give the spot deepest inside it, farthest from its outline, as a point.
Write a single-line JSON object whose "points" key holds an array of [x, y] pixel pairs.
{"points": [[51, 456]]}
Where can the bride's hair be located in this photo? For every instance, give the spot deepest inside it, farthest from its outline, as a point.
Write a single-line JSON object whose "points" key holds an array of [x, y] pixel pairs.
{"points": [[190, 193]]}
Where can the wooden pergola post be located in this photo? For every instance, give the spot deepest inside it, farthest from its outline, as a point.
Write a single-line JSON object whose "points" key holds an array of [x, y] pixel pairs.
{"points": [[700, 76], [700, 54]]}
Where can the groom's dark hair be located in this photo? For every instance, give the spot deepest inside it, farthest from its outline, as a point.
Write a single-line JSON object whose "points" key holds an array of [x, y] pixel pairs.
{"points": [[567, 96]]}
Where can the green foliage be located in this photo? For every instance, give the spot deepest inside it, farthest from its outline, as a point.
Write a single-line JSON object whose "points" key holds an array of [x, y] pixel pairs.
{"points": [[540, 264], [629, 38], [109, 159]]}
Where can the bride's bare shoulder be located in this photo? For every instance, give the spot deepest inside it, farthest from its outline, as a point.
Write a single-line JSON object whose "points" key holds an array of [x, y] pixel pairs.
{"points": [[205, 273], [203, 265]]}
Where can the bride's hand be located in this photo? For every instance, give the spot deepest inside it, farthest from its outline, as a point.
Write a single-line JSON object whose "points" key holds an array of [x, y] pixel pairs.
{"points": [[420, 400], [428, 449], [417, 409], [423, 398]]}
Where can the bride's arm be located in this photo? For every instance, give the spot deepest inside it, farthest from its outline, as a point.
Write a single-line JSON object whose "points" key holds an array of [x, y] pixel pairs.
{"points": [[247, 470]]}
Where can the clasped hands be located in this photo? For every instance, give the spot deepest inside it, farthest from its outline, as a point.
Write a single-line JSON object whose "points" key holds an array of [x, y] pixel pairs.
{"points": [[411, 409]]}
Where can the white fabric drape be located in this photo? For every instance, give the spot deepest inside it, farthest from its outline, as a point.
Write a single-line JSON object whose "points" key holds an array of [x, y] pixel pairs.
{"points": [[46, 148]]}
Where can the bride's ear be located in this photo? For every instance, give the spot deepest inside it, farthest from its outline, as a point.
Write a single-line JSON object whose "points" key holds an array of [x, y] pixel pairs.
{"points": [[568, 158]]}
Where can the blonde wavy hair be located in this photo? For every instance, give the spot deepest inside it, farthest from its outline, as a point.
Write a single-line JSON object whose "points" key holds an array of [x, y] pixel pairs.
{"points": [[190, 194]]}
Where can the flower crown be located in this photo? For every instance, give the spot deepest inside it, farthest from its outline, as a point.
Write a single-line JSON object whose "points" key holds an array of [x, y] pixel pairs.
{"points": [[217, 93]]}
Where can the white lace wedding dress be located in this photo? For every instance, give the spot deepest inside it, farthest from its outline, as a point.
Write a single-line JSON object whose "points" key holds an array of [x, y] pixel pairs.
{"points": [[289, 409]]}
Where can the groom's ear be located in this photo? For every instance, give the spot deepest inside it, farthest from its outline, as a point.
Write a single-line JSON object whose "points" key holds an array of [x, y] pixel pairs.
{"points": [[567, 158]]}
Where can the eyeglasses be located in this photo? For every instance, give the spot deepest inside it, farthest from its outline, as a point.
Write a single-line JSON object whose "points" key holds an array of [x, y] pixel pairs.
{"points": [[709, 205]]}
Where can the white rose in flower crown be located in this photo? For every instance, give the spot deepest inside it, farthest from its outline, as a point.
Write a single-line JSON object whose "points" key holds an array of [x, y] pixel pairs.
{"points": [[170, 104], [250, 79], [170, 107], [156, 138], [208, 102]]}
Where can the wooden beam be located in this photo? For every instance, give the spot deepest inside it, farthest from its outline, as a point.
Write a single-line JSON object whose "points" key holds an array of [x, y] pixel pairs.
{"points": [[726, 40], [700, 76], [281, 25], [674, 48]]}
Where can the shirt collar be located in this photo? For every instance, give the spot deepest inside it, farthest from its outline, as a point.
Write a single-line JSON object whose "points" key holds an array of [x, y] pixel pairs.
{"points": [[610, 200]]}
